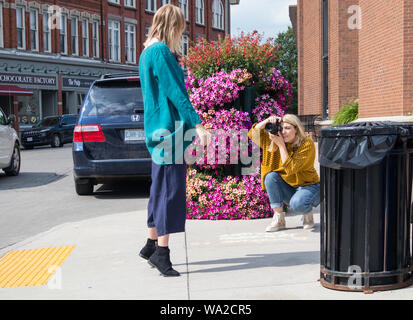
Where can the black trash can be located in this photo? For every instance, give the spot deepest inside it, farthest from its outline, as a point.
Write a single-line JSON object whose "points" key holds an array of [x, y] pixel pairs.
{"points": [[366, 187]]}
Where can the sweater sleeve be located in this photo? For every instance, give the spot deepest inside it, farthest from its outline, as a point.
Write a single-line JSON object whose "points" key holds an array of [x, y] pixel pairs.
{"points": [[173, 85], [259, 137], [302, 158]]}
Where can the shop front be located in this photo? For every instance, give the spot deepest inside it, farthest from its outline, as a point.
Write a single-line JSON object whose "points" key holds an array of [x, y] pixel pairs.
{"points": [[29, 97], [74, 91]]}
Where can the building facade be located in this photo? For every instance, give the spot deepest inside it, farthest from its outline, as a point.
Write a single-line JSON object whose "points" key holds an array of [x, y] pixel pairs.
{"points": [[52, 50], [355, 49]]}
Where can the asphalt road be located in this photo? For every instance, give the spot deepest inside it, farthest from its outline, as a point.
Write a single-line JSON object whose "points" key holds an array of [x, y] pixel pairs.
{"points": [[43, 196]]}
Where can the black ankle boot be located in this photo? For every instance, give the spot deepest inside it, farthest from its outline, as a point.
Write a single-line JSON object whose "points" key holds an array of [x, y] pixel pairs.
{"points": [[162, 261], [148, 249]]}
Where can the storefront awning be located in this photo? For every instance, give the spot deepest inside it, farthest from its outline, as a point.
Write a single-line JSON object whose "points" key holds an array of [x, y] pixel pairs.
{"points": [[12, 90]]}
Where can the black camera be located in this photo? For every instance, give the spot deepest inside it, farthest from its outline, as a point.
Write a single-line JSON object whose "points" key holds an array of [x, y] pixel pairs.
{"points": [[274, 128]]}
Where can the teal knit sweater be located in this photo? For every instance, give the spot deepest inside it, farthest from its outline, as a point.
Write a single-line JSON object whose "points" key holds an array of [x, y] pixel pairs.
{"points": [[168, 113]]}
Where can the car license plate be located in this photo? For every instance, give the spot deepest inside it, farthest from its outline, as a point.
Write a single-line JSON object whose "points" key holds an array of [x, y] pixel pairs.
{"points": [[134, 135], [29, 139]]}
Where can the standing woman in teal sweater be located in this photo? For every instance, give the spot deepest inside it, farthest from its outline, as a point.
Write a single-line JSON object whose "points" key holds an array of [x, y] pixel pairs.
{"points": [[168, 116]]}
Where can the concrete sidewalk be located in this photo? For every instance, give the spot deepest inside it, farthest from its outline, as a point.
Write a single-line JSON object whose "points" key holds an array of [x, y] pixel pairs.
{"points": [[217, 260]]}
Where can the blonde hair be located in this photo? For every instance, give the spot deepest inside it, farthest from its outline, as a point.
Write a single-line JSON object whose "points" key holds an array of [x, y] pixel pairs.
{"points": [[300, 134], [167, 25]]}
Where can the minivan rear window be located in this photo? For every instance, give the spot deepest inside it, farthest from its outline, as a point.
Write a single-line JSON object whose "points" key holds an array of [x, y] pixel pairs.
{"points": [[113, 98]]}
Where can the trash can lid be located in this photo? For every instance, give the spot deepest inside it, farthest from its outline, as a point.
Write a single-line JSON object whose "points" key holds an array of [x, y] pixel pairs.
{"points": [[368, 129]]}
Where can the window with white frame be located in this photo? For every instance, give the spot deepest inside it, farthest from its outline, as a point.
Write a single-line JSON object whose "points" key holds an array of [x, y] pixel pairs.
{"points": [[183, 4], [114, 1], [21, 39], [1, 26], [114, 40], [130, 3], [147, 29], [150, 5], [200, 12], [85, 37], [130, 43], [47, 36], [63, 34], [95, 39], [34, 30], [75, 36], [184, 44], [218, 15], [163, 2]]}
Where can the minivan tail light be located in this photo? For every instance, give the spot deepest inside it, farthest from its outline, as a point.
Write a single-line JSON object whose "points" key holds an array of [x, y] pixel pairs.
{"points": [[88, 133]]}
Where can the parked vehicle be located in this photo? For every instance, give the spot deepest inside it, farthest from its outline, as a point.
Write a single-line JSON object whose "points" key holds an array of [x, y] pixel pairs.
{"points": [[9, 146], [53, 130], [109, 140]]}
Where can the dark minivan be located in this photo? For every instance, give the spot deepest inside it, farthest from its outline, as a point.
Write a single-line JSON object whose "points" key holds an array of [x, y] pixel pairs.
{"points": [[109, 140], [53, 130]]}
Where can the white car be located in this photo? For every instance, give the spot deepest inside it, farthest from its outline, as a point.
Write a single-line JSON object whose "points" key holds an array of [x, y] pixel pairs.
{"points": [[9, 146]]}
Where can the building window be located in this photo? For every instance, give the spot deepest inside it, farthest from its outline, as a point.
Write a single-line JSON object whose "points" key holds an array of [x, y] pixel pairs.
{"points": [[163, 2], [184, 45], [114, 41], [1, 26], [325, 59], [183, 4], [34, 31], [114, 1], [21, 40], [199, 12], [85, 37], [63, 34], [130, 43], [75, 37], [95, 38], [150, 5], [47, 38], [218, 15], [130, 3], [147, 29]]}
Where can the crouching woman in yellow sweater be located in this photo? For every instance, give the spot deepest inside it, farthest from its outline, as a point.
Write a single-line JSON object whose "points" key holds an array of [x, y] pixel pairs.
{"points": [[287, 169]]}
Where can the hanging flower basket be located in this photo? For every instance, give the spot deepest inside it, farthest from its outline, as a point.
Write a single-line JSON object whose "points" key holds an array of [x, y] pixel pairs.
{"points": [[231, 84]]}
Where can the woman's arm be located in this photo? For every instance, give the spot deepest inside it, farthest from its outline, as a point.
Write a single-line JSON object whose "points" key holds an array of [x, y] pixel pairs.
{"points": [[301, 159], [171, 81]]}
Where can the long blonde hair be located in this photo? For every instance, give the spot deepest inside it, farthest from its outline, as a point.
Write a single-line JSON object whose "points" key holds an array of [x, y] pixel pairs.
{"points": [[300, 134], [167, 25]]}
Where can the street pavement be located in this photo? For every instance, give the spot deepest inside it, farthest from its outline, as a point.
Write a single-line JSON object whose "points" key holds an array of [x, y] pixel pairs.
{"points": [[229, 260], [216, 259]]}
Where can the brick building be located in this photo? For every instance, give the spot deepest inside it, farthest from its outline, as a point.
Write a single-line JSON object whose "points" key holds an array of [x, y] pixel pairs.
{"points": [[355, 49], [52, 50]]}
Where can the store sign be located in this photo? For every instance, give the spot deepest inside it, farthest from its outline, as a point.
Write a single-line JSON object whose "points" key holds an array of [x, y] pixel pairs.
{"points": [[77, 82], [27, 79]]}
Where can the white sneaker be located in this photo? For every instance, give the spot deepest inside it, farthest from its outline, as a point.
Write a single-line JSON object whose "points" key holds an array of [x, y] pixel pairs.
{"points": [[308, 221], [277, 223]]}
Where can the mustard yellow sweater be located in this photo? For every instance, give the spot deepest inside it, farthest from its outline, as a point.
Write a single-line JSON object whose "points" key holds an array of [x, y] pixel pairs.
{"points": [[298, 170]]}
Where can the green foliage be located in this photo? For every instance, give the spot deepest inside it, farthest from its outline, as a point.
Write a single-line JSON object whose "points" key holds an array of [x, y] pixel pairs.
{"points": [[347, 114], [287, 63]]}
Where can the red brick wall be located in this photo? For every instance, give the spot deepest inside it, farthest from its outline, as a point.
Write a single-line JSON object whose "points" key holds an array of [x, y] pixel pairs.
{"points": [[408, 58], [381, 58], [343, 56], [103, 8], [309, 56]]}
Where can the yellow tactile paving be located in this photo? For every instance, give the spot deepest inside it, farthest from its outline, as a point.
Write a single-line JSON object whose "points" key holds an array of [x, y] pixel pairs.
{"points": [[31, 267]]}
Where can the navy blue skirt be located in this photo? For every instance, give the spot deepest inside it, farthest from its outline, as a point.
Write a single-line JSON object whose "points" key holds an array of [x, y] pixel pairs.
{"points": [[167, 200]]}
